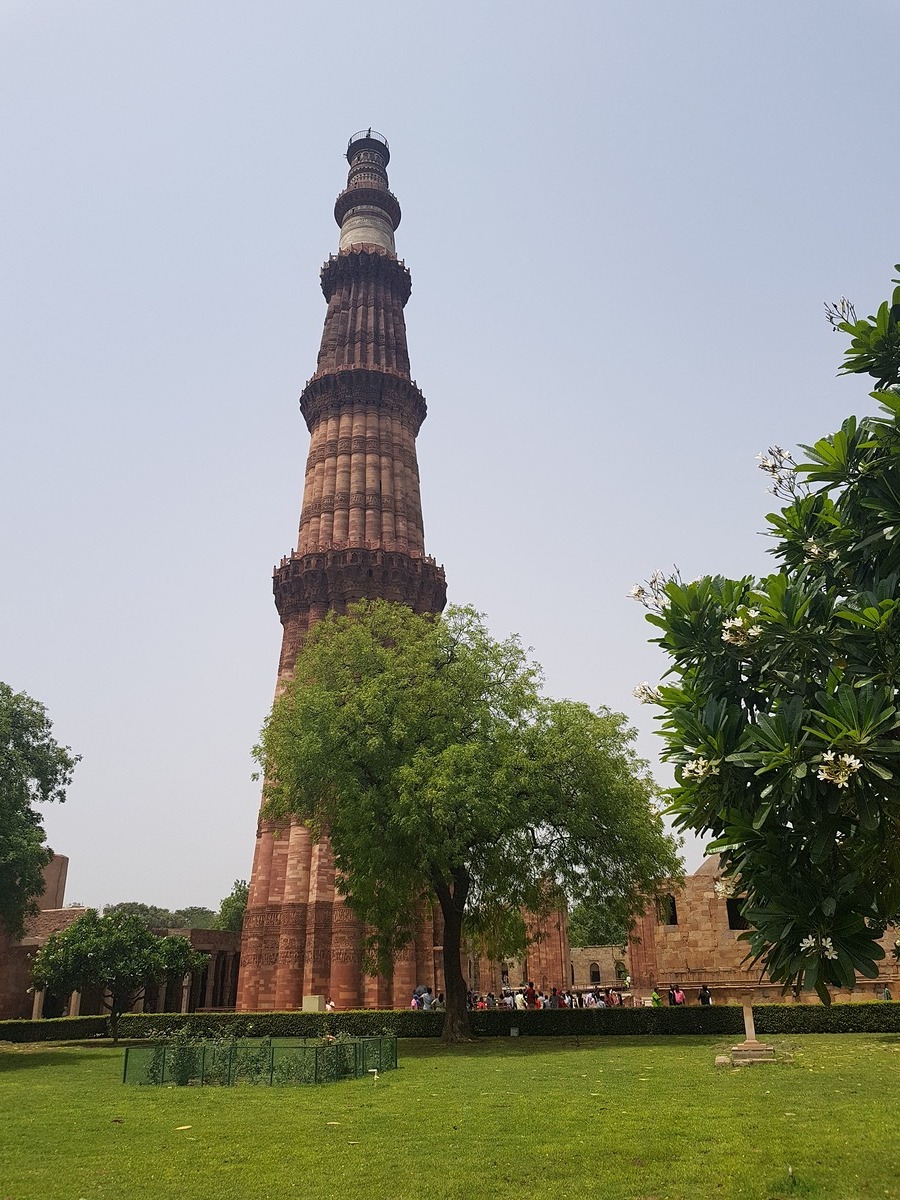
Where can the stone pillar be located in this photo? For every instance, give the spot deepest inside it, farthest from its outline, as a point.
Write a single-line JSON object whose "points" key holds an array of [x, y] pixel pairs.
{"points": [[405, 980], [292, 935], [346, 957], [37, 1008], [161, 996], [75, 1004], [186, 994], [209, 994]]}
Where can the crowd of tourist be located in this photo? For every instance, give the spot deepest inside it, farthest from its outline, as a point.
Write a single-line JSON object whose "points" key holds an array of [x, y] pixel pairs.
{"points": [[527, 996], [530, 997]]}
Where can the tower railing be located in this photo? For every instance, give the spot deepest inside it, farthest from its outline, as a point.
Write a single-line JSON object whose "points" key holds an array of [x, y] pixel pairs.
{"points": [[371, 135]]}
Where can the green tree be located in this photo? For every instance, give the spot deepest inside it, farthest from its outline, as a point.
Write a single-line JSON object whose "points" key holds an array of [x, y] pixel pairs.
{"points": [[34, 769], [151, 915], [423, 748], [781, 712], [154, 917], [231, 910], [194, 916], [608, 924], [116, 954]]}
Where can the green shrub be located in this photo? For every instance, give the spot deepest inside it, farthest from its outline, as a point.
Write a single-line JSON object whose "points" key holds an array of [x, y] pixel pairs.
{"points": [[718, 1020], [355, 1023], [593, 1022], [871, 1017], [54, 1029]]}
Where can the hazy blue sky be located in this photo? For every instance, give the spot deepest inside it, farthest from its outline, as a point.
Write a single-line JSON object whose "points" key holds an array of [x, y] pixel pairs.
{"points": [[621, 219]]}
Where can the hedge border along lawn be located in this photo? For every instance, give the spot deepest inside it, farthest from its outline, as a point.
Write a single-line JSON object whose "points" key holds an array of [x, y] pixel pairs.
{"points": [[782, 1019]]}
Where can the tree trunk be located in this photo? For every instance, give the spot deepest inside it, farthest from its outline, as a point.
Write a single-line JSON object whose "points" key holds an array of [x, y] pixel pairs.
{"points": [[456, 1019]]}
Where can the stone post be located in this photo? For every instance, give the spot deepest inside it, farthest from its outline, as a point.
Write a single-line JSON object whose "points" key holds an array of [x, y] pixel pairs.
{"points": [[186, 994], [37, 1008], [750, 1050], [75, 1004], [749, 1026]]}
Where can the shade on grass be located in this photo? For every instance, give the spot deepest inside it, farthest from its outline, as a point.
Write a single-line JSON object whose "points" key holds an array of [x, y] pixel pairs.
{"points": [[619, 1118]]}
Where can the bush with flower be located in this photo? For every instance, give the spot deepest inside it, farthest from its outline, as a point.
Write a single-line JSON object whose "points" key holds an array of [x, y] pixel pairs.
{"points": [[781, 707]]}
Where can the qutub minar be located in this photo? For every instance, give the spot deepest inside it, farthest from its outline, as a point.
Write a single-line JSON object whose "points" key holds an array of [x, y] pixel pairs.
{"points": [[361, 536]]}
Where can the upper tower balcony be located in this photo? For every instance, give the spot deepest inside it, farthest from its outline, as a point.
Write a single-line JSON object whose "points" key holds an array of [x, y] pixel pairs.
{"points": [[367, 210], [368, 139]]}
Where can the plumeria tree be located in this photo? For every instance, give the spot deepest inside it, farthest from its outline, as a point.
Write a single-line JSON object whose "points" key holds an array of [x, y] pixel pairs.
{"points": [[781, 707]]}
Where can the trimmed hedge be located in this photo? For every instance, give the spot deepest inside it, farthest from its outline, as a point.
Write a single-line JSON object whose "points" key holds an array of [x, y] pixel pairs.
{"points": [[875, 1017], [54, 1029], [593, 1022], [357, 1023], [717, 1020]]}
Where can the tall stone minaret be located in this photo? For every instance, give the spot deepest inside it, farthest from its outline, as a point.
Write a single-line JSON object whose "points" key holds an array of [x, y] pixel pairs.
{"points": [[361, 536]]}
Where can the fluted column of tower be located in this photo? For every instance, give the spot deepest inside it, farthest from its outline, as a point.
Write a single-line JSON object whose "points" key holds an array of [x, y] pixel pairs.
{"points": [[361, 536]]}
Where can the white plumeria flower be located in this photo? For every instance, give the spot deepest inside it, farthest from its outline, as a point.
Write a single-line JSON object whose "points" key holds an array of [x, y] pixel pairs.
{"points": [[700, 768], [838, 769], [646, 693], [808, 944], [828, 950]]}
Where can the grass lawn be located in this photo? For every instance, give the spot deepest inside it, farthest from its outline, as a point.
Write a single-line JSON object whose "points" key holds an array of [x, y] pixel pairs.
{"points": [[614, 1118]]}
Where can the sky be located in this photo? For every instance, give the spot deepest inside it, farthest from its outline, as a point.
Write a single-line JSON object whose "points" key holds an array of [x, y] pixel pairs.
{"points": [[621, 220]]}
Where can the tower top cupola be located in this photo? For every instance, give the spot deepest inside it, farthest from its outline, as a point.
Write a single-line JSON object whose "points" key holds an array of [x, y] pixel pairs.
{"points": [[367, 210]]}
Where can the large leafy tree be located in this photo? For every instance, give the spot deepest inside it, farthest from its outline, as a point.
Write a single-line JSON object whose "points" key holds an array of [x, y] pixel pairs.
{"points": [[424, 750], [117, 955], [780, 709], [34, 769]]}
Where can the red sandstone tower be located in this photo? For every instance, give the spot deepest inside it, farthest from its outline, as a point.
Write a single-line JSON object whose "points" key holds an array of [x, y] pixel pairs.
{"points": [[361, 536]]}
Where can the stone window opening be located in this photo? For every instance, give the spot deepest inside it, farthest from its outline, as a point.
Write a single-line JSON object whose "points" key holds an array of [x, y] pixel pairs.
{"points": [[621, 971], [736, 919], [666, 910], [594, 971]]}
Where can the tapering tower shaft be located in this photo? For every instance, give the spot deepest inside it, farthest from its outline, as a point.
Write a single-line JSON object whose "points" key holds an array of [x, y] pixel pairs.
{"points": [[361, 537]]}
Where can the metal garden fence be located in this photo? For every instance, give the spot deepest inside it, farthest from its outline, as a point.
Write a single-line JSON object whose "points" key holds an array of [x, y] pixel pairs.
{"points": [[265, 1061]]}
